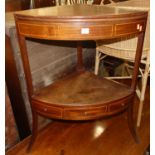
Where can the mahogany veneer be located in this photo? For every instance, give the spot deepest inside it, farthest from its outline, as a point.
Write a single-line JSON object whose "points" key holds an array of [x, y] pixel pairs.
{"points": [[100, 137], [64, 23], [80, 96]]}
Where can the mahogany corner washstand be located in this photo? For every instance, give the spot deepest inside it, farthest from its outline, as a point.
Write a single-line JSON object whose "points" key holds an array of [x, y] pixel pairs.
{"points": [[80, 95]]}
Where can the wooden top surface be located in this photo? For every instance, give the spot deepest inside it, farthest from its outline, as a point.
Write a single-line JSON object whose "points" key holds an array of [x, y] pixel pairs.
{"points": [[79, 11], [80, 89]]}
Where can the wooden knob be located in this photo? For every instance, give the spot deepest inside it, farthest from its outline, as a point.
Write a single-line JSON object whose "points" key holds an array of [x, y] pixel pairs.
{"points": [[45, 109], [85, 113]]}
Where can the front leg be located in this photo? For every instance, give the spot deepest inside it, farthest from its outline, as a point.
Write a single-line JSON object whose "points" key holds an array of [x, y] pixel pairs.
{"points": [[131, 122], [34, 130]]}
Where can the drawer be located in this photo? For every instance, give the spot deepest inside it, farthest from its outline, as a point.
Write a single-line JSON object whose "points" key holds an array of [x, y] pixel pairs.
{"points": [[116, 107], [129, 28], [85, 31], [36, 30], [84, 113], [48, 110]]}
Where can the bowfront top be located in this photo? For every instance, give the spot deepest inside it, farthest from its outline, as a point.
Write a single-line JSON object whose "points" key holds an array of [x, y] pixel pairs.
{"points": [[80, 22], [80, 11]]}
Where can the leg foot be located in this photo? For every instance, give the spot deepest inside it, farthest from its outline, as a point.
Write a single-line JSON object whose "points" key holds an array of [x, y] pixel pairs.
{"points": [[34, 130], [131, 123]]}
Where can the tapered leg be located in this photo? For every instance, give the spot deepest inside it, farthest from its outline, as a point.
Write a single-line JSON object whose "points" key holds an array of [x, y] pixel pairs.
{"points": [[34, 130], [80, 66], [131, 122]]}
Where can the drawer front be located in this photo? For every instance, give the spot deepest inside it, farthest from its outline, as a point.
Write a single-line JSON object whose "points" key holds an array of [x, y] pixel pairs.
{"points": [[65, 31], [116, 107], [38, 31], [84, 113], [81, 31], [53, 112], [85, 32], [129, 28]]}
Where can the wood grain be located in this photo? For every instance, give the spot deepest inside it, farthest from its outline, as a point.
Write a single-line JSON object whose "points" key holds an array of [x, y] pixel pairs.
{"points": [[72, 138], [81, 101], [67, 22]]}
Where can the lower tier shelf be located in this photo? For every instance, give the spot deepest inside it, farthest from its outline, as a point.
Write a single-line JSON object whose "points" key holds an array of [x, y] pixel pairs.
{"points": [[82, 96]]}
